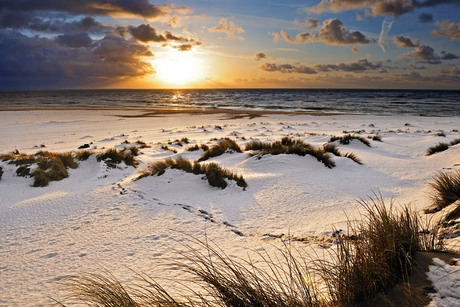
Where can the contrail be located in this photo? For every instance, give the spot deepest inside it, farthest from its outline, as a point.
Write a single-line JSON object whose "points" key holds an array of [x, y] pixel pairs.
{"points": [[386, 27]]}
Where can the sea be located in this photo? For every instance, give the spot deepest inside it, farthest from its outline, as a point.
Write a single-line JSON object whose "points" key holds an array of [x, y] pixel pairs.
{"points": [[376, 102]]}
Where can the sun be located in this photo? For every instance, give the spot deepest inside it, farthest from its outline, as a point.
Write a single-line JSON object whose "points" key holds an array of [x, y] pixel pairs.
{"points": [[178, 69]]}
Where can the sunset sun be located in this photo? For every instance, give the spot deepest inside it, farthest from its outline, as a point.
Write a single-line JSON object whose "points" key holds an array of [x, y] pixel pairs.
{"points": [[178, 69]]}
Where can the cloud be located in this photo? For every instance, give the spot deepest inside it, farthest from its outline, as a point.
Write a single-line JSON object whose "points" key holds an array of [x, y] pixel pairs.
{"points": [[355, 50], [448, 56], [423, 53], [147, 34], [259, 56], [174, 22], [141, 8], [228, 28], [387, 23], [308, 24], [449, 29], [47, 23], [287, 68], [425, 17], [26, 58], [405, 42], [378, 7], [74, 40], [332, 32], [355, 67]]}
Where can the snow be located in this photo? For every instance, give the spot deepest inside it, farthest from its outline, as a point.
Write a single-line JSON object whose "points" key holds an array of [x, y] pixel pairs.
{"points": [[101, 217], [446, 280]]}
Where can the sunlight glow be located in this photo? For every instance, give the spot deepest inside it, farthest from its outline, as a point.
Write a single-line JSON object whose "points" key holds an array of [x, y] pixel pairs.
{"points": [[179, 69]]}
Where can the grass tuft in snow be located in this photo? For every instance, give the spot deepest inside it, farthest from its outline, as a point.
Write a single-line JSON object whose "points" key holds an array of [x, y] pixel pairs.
{"points": [[346, 139], [437, 148], [454, 142], [224, 145], [197, 147], [112, 157], [445, 191], [1, 172], [215, 174], [166, 147], [334, 149], [291, 147], [377, 138], [352, 156], [375, 254], [83, 155]]}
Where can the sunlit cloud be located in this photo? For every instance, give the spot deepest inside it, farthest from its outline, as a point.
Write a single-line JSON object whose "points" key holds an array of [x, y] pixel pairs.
{"points": [[229, 28], [405, 42], [449, 29], [332, 32]]}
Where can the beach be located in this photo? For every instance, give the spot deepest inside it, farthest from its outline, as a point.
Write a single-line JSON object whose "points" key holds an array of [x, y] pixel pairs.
{"points": [[101, 218]]}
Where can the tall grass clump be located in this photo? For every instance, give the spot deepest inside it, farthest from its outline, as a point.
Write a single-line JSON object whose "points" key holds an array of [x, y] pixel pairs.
{"points": [[377, 253], [1, 172], [83, 155], [50, 166], [291, 147], [445, 190], [437, 148], [454, 142], [223, 146], [113, 156], [346, 139], [214, 174]]}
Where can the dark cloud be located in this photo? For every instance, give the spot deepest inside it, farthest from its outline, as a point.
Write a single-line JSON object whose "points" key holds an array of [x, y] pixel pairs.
{"points": [[287, 68], [355, 67], [449, 29], [448, 56], [416, 67], [229, 28], [405, 42], [74, 40], [89, 7], [332, 32], [25, 59], [308, 24], [259, 56], [425, 17], [379, 7], [423, 53], [49, 22]]}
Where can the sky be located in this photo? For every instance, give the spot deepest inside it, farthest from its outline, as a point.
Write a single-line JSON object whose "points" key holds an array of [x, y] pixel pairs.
{"points": [[65, 44]]}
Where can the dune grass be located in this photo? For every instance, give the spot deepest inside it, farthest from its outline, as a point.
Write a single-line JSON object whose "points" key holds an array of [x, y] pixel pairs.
{"points": [[198, 147], [376, 253], [223, 146], [291, 147], [437, 148], [334, 149], [346, 139], [112, 157], [1, 172], [50, 166], [445, 191], [214, 174], [441, 147], [83, 155]]}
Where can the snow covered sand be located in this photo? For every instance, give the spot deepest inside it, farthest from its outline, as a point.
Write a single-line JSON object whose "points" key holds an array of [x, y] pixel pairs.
{"points": [[99, 216]]}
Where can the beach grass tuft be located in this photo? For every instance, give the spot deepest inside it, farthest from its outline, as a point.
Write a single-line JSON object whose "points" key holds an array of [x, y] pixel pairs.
{"points": [[353, 156], [346, 139], [214, 174], [112, 157], [377, 138], [291, 147], [223, 146], [455, 142], [166, 147], [437, 148], [83, 155], [1, 172], [445, 191]]}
